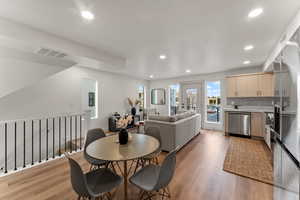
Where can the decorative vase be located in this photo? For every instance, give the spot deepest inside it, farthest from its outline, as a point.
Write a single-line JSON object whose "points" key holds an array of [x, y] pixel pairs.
{"points": [[133, 111], [123, 136]]}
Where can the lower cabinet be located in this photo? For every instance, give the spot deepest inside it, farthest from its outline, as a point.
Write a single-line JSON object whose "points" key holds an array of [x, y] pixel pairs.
{"points": [[257, 124]]}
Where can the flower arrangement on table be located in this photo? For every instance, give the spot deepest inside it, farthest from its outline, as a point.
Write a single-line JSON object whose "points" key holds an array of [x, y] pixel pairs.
{"points": [[122, 123]]}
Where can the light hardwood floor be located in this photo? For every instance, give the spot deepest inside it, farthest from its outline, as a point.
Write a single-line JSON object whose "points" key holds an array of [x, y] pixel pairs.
{"points": [[198, 175]]}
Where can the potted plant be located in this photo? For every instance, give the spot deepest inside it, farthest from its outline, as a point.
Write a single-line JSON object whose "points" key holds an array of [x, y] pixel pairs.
{"points": [[133, 105]]}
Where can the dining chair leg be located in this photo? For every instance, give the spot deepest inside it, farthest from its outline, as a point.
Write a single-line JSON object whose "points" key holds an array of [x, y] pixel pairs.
{"points": [[166, 192], [137, 165], [163, 195], [131, 165], [156, 160], [141, 194], [119, 168], [107, 164], [150, 195], [108, 196], [113, 167]]}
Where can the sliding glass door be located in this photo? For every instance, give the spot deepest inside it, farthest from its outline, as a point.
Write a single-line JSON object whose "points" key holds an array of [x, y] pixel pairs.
{"points": [[191, 97], [213, 101]]}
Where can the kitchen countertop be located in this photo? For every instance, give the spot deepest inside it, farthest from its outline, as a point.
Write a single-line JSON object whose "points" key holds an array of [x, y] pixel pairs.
{"points": [[262, 109]]}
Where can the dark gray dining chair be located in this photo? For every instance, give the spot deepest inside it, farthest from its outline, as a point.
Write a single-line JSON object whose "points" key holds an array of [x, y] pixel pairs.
{"points": [[94, 184], [152, 158], [154, 179], [93, 135]]}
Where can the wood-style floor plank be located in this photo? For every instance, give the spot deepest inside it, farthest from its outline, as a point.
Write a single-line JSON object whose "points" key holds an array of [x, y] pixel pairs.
{"points": [[198, 175]]}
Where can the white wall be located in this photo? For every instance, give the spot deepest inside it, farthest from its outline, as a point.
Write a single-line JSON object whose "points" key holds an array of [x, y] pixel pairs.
{"points": [[163, 109], [61, 93], [17, 74]]}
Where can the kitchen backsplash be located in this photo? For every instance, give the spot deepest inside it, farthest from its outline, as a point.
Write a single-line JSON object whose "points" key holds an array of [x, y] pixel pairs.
{"points": [[251, 101]]}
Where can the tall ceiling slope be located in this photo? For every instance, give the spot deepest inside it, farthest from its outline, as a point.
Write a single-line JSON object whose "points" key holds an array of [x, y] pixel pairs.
{"points": [[19, 69], [200, 35]]}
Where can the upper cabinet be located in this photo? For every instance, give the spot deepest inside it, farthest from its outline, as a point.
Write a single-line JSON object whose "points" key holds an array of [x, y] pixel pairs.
{"points": [[251, 85], [247, 86], [266, 85], [231, 87]]}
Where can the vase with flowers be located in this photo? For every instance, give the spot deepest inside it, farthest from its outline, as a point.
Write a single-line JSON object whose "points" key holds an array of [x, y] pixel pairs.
{"points": [[123, 123]]}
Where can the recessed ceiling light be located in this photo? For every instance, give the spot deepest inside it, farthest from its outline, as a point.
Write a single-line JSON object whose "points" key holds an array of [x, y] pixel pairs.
{"points": [[255, 12], [248, 47], [151, 76], [162, 56], [246, 62], [88, 15], [188, 71]]}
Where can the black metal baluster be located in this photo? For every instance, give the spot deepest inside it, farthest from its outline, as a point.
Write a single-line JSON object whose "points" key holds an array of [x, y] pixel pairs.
{"points": [[5, 135], [71, 134], [80, 126], [76, 132], [15, 145], [65, 134], [47, 139], [59, 132], [53, 138], [32, 142], [24, 144], [40, 140]]}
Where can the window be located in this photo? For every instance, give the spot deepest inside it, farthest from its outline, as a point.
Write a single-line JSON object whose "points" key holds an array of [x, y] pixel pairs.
{"points": [[174, 99], [90, 97], [142, 96], [213, 101]]}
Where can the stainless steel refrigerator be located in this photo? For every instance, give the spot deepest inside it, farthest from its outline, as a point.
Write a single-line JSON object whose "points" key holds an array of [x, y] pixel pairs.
{"points": [[286, 127]]}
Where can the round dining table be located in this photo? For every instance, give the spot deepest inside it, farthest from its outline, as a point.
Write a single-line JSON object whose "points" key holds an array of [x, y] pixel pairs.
{"points": [[109, 149]]}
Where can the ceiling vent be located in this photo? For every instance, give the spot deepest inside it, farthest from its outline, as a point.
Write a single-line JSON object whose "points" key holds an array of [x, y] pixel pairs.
{"points": [[50, 53]]}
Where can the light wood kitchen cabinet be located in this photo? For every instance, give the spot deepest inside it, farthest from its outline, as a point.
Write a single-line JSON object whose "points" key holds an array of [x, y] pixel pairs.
{"points": [[257, 124], [266, 85], [231, 87], [251, 85], [241, 86], [247, 86]]}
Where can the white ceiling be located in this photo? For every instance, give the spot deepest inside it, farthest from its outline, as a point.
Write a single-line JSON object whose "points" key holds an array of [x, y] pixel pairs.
{"points": [[201, 35]]}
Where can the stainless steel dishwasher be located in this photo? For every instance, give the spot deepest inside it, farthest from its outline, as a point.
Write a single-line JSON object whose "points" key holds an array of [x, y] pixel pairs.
{"points": [[239, 123]]}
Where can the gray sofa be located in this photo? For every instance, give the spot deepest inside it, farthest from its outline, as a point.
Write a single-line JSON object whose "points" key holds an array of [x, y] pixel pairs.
{"points": [[177, 130]]}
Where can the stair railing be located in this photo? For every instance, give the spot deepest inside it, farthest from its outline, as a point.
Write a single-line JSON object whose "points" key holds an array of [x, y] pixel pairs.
{"points": [[27, 142]]}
